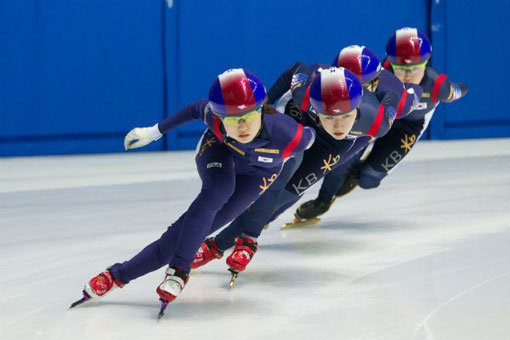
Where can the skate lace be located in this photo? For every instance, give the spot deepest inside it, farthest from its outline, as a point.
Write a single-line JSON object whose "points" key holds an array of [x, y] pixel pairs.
{"points": [[242, 255], [172, 285], [100, 285]]}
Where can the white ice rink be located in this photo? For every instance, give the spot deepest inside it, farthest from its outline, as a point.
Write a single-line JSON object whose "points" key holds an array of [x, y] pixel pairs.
{"points": [[425, 256]]}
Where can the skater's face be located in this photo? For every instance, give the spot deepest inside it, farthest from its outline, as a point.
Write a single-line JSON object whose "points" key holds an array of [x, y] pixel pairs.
{"points": [[338, 126], [412, 74], [243, 128]]}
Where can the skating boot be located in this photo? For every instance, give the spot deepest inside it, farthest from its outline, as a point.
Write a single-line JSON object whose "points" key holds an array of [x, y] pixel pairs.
{"points": [[308, 213], [242, 254], [349, 185], [98, 287], [171, 287], [207, 252]]}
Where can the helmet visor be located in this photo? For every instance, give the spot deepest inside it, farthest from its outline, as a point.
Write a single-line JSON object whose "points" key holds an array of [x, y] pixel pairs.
{"points": [[372, 84], [246, 117], [413, 69]]}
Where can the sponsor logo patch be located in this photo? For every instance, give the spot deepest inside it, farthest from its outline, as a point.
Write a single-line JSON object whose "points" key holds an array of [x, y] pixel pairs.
{"points": [[214, 165]]}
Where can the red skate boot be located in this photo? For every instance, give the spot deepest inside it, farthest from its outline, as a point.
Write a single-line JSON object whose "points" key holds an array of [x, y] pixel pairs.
{"points": [[98, 287], [207, 252], [242, 254], [171, 287]]}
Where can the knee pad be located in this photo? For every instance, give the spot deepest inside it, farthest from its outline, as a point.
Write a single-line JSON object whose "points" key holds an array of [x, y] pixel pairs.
{"points": [[370, 178]]}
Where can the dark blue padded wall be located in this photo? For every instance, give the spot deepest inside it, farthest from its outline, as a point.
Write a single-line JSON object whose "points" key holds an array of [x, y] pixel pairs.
{"points": [[470, 46], [266, 37], [76, 75]]}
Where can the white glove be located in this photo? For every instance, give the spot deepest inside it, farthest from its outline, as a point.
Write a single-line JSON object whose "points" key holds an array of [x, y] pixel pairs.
{"points": [[144, 135]]}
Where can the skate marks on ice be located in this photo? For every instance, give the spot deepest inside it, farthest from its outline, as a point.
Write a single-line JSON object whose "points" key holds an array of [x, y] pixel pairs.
{"points": [[422, 257]]}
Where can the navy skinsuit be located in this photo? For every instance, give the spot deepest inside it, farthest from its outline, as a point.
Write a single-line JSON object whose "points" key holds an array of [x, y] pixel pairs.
{"points": [[233, 176], [375, 116], [389, 150]]}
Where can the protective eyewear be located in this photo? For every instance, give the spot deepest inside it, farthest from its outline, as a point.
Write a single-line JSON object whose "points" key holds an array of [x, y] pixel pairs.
{"points": [[371, 85], [246, 117], [408, 68]]}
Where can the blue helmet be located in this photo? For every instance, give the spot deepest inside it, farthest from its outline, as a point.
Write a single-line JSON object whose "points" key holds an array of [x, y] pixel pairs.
{"points": [[359, 60], [408, 46], [236, 91], [335, 91]]}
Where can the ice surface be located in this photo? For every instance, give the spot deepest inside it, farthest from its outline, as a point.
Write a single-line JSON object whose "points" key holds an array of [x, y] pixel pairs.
{"points": [[425, 256]]}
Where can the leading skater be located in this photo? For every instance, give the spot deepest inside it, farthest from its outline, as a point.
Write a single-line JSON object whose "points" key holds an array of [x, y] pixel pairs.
{"points": [[239, 156]]}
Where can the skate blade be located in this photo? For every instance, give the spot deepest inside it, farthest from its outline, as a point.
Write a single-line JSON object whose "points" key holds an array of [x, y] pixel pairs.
{"points": [[85, 298], [297, 222], [164, 304], [232, 280]]}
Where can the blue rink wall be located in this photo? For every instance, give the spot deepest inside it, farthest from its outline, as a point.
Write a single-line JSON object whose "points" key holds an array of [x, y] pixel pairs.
{"points": [[75, 76]]}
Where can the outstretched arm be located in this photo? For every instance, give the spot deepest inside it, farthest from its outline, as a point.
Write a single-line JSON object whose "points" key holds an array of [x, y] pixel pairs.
{"points": [[283, 83], [458, 90], [139, 137]]}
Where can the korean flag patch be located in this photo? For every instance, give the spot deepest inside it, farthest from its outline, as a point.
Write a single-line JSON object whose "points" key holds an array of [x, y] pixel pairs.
{"points": [[265, 159]]}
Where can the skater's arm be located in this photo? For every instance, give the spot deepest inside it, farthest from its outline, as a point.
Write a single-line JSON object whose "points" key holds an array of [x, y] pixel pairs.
{"points": [[139, 137], [447, 91], [188, 113], [283, 83], [386, 114], [457, 91], [409, 100], [374, 117]]}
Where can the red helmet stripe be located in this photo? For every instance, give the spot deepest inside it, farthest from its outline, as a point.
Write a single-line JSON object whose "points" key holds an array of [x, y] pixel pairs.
{"points": [[351, 60], [408, 46], [237, 99], [335, 94]]}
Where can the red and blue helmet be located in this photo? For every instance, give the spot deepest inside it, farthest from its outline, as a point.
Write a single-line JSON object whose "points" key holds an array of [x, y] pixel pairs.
{"points": [[335, 91], [236, 91], [408, 46], [359, 60]]}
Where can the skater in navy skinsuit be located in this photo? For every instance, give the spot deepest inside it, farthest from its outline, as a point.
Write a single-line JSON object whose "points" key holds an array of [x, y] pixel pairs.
{"points": [[335, 95], [407, 51], [239, 156]]}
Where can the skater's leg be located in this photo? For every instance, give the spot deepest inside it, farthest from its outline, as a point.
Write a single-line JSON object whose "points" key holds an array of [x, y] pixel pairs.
{"points": [[218, 184], [335, 179], [259, 213]]}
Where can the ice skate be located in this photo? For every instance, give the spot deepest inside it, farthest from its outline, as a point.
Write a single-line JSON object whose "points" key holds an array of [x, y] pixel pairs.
{"points": [[349, 185], [97, 287], [207, 252], [299, 222], [171, 287], [308, 213], [242, 254]]}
